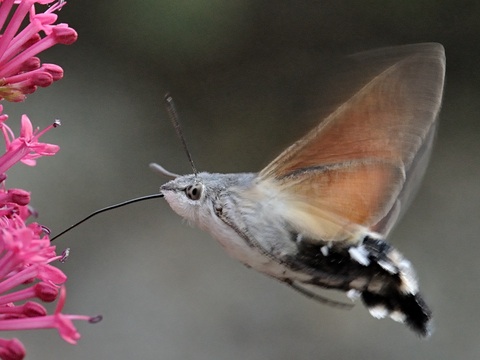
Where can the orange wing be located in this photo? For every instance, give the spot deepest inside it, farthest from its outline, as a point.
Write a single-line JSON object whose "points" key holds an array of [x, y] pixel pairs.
{"points": [[352, 168]]}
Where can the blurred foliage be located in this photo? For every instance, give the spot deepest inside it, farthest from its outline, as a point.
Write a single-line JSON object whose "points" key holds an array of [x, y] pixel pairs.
{"points": [[195, 33], [199, 49]]}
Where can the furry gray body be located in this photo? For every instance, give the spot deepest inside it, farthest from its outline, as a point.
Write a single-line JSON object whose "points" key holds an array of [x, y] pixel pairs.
{"points": [[252, 231]]}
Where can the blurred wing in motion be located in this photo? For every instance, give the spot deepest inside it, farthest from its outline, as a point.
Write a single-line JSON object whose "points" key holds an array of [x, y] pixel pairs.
{"points": [[360, 166]]}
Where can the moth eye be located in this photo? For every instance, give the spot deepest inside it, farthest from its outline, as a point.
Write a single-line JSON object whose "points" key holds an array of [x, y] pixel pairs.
{"points": [[194, 191]]}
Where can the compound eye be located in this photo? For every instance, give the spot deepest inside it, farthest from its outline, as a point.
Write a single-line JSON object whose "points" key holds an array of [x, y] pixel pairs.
{"points": [[194, 192]]}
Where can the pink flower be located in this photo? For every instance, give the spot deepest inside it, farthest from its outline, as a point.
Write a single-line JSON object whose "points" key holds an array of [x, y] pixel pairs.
{"points": [[27, 272], [20, 70], [62, 322], [27, 276], [26, 148]]}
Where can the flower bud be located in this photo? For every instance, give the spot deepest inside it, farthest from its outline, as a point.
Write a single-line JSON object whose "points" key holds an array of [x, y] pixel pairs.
{"points": [[46, 292]]}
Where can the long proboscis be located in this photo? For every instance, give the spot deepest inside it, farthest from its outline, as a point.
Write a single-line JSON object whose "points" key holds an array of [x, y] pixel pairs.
{"points": [[111, 207]]}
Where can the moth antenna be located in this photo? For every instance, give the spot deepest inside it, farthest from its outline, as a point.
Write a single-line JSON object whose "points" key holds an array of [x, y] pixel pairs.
{"points": [[111, 207], [172, 113], [159, 169]]}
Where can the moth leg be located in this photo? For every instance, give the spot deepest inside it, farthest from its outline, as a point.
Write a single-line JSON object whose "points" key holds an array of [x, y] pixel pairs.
{"points": [[310, 294]]}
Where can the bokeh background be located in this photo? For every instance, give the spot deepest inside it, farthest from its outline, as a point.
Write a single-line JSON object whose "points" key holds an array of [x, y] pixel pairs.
{"points": [[238, 71]]}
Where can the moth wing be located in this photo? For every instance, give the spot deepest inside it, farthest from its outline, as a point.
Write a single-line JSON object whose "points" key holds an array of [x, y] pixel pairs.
{"points": [[366, 149], [412, 182], [324, 204]]}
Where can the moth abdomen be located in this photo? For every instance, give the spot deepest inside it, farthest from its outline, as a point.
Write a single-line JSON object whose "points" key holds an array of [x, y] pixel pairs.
{"points": [[374, 271], [408, 308], [398, 294]]}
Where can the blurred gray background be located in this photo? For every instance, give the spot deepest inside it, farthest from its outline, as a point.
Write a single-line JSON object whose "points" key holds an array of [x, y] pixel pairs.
{"points": [[239, 71]]}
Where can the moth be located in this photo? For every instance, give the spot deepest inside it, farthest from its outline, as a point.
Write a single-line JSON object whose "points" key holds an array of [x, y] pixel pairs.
{"points": [[319, 214]]}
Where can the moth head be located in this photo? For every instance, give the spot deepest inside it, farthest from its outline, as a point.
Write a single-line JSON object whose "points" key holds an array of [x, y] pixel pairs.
{"points": [[187, 196]]}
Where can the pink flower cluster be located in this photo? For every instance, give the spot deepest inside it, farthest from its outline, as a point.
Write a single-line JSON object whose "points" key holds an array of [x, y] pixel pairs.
{"points": [[20, 70], [27, 274]]}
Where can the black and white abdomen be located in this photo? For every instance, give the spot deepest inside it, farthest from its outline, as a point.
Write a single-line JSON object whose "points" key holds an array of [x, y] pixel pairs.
{"points": [[374, 271]]}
